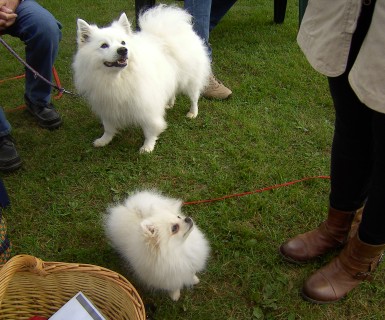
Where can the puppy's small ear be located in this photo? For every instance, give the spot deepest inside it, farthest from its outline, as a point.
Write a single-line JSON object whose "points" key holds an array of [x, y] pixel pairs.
{"points": [[83, 31], [148, 228], [123, 22]]}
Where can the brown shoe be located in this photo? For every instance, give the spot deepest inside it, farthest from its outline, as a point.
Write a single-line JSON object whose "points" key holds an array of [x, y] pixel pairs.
{"points": [[335, 280], [331, 234], [216, 90]]}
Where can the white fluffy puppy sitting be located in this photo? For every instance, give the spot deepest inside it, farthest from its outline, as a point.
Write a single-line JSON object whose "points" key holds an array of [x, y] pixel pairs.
{"points": [[164, 248]]}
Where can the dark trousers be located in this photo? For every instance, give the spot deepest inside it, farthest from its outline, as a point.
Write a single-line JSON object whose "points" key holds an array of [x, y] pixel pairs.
{"points": [[358, 150]]}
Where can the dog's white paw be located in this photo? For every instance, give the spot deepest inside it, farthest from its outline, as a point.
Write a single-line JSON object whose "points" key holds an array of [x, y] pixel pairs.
{"points": [[171, 103], [191, 115], [146, 149], [175, 295], [196, 279], [100, 143], [148, 145]]}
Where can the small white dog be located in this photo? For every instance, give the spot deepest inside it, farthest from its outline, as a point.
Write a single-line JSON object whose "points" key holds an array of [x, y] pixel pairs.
{"points": [[164, 248], [130, 78]]}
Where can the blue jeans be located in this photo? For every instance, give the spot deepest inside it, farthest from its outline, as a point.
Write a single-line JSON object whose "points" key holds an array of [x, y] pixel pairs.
{"points": [[206, 15], [41, 33], [5, 127]]}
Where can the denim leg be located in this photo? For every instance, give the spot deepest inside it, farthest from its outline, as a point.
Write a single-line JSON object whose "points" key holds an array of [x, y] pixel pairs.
{"points": [[41, 33], [200, 11], [5, 127], [218, 9]]}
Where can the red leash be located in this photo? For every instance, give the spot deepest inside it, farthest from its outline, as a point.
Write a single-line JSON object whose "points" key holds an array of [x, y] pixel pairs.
{"points": [[256, 191]]}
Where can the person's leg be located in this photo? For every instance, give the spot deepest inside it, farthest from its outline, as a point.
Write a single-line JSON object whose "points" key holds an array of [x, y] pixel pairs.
{"points": [[351, 159], [351, 162], [41, 33], [218, 9], [9, 158], [5, 126], [200, 10], [351, 156], [357, 173], [372, 227], [362, 254]]}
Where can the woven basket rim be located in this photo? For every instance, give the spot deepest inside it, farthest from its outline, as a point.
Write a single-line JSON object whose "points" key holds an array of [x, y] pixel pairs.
{"points": [[30, 266]]}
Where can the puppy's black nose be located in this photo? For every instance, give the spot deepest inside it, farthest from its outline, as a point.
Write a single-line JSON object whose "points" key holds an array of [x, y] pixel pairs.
{"points": [[188, 220], [122, 51]]}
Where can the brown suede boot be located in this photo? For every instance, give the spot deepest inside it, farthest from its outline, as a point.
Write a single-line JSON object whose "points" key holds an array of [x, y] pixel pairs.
{"points": [[331, 234], [354, 264]]}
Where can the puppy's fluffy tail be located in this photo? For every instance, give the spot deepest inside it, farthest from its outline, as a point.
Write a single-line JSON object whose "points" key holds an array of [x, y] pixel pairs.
{"points": [[163, 20]]}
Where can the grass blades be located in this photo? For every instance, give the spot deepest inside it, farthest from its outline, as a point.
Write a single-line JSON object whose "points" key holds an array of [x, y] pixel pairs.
{"points": [[276, 128]]}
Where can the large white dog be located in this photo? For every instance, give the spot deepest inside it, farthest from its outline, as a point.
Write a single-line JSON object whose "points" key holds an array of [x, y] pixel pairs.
{"points": [[130, 78]]}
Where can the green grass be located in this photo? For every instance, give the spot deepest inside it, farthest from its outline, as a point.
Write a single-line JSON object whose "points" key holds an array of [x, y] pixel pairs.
{"points": [[277, 127]]}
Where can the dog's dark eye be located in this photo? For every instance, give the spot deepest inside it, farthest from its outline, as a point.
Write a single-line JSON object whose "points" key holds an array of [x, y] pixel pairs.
{"points": [[123, 43], [175, 228], [104, 46]]}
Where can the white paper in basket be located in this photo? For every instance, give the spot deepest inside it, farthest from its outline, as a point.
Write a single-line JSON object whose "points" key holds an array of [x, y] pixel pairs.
{"points": [[78, 308]]}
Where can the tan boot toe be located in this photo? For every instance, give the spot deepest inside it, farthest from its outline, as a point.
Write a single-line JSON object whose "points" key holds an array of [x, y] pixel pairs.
{"points": [[216, 90]]}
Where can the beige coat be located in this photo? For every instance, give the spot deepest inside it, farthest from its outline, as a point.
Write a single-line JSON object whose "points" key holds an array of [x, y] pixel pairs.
{"points": [[325, 36]]}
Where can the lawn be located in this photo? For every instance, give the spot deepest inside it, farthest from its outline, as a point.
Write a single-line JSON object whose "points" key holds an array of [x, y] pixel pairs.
{"points": [[276, 128]]}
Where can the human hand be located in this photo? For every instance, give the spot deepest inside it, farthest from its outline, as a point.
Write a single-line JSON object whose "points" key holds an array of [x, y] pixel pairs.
{"points": [[7, 14]]}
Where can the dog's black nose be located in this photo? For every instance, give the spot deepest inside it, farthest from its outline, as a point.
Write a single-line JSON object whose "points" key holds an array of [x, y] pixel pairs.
{"points": [[188, 220], [122, 51]]}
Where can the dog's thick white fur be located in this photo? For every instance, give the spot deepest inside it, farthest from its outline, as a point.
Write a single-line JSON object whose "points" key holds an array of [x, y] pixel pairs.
{"points": [[164, 248], [130, 78]]}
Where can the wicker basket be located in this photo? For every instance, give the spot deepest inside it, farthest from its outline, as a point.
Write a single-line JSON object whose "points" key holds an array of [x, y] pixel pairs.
{"points": [[30, 287]]}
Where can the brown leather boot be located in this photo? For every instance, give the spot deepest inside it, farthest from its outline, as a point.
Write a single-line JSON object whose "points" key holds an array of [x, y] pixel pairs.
{"points": [[331, 234], [354, 264]]}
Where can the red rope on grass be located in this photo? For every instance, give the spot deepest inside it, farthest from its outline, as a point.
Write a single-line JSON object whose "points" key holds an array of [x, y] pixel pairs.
{"points": [[256, 191]]}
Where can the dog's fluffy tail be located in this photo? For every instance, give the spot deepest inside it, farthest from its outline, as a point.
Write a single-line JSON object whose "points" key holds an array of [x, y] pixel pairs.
{"points": [[163, 20]]}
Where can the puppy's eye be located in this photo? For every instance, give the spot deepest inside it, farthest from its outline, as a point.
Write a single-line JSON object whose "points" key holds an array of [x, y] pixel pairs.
{"points": [[175, 228], [104, 46], [123, 43]]}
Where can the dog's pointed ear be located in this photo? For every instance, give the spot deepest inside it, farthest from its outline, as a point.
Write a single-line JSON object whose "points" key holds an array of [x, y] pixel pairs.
{"points": [[148, 228], [123, 22], [83, 31]]}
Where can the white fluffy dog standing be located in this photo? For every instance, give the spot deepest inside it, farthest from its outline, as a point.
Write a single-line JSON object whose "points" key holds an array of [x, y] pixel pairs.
{"points": [[164, 248], [130, 78]]}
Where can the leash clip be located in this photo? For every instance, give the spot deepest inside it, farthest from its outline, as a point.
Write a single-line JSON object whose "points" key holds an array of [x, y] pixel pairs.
{"points": [[62, 90]]}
